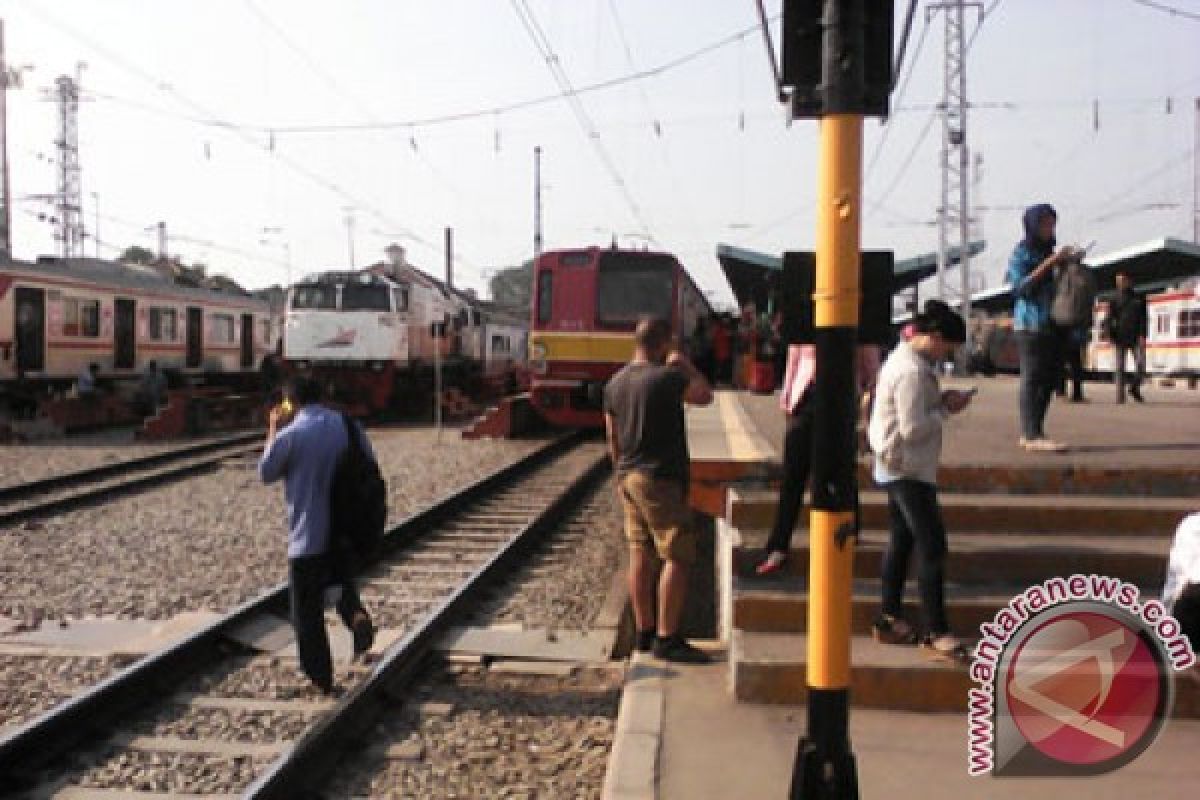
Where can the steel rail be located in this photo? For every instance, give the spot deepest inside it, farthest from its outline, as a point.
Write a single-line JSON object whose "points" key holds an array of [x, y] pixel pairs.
{"points": [[53, 735], [310, 760], [22, 490]]}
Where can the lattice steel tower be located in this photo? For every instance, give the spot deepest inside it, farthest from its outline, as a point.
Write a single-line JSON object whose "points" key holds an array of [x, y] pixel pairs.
{"points": [[70, 188], [954, 211]]}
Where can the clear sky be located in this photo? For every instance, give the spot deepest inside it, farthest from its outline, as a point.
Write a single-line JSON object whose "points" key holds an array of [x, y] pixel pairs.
{"points": [[720, 165]]}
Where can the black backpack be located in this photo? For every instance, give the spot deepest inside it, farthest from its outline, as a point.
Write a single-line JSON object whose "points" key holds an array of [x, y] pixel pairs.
{"points": [[357, 499], [1074, 295]]}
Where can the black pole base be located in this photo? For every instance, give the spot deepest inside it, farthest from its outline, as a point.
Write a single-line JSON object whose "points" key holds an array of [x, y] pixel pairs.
{"points": [[825, 768], [823, 773]]}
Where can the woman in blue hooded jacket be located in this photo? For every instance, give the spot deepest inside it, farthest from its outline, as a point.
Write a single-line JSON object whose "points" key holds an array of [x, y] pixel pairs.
{"points": [[1031, 276]]}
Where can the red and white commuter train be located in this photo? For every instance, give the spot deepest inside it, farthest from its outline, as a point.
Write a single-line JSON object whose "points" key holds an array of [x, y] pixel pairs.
{"points": [[57, 317]]}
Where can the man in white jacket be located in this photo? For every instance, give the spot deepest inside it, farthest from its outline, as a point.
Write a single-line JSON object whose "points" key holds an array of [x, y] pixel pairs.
{"points": [[905, 433]]}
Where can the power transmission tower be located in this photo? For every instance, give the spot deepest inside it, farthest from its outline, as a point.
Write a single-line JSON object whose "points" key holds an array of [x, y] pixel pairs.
{"points": [[954, 211], [70, 188]]}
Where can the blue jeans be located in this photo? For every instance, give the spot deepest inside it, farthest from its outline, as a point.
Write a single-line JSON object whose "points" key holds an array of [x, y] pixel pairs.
{"points": [[1040, 364]]}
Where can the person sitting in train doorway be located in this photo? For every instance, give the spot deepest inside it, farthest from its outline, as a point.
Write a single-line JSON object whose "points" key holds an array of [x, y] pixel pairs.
{"points": [[796, 399], [1031, 276], [152, 389], [647, 440], [1127, 325], [305, 454], [905, 433], [86, 386]]}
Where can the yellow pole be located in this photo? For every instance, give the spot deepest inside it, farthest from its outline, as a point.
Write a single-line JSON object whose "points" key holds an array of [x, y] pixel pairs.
{"points": [[836, 303]]}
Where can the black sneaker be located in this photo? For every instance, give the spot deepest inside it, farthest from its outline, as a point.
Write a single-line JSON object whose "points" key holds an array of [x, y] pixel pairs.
{"points": [[1136, 394], [678, 650], [364, 634], [645, 641]]}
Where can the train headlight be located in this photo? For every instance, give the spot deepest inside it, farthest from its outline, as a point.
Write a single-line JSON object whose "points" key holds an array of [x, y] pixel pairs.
{"points": [[538, 352]]}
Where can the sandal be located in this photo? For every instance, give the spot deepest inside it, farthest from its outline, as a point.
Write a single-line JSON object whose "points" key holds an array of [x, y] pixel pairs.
{"points": [[946, 648], [773, 563], [887, 629]]}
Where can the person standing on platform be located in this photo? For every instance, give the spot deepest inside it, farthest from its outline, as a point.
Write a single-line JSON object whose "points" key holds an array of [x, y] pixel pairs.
{"points": [[1071, 313], [1031, 276], [722, 350], [85, 385], [797, 401], [305, 454], [1127, 326], [905, 433], [647, 440]]}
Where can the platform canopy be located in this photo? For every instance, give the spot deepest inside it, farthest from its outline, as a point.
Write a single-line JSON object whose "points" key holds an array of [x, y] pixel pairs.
{"points": [[751, 274], [1154, 265]]}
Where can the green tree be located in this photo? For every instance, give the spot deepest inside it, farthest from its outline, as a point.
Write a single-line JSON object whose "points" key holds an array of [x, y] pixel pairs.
{"points": [[136, 254], [512, 287]]}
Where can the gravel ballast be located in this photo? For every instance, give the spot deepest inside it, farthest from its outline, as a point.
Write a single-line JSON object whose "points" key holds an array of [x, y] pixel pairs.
{"points": [[208, 542]]}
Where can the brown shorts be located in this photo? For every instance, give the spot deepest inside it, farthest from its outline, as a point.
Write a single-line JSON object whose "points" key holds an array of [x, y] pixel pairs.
{"points": [[656, 511]]}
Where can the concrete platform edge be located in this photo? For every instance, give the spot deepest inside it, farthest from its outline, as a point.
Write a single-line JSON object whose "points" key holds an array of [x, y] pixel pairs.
{"points": [[632, 772]]}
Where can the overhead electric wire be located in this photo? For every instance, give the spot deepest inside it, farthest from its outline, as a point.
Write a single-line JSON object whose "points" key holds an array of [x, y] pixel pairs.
{"points": [[214, 119], [545, 48], [1173, 11]]}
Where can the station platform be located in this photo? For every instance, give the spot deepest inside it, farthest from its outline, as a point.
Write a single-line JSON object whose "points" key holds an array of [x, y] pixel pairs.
{"points": [[1110, 506]]}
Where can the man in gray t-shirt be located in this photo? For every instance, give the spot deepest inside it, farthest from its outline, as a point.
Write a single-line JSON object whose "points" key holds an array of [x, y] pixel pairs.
{"points": [[643, 418]]}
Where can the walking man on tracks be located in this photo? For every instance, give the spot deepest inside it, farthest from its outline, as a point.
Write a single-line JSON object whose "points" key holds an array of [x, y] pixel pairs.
{"points": [[643, 418], [305, 454]]}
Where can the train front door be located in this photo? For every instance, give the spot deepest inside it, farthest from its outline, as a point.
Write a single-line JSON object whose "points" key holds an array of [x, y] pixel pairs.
{"points": [[194, 336], [125, 333], [31, 330], [247, 341]]}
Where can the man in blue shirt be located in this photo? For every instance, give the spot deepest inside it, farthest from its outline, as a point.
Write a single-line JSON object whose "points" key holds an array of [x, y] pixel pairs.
{"points": [[305, 455], [1031, 276]]}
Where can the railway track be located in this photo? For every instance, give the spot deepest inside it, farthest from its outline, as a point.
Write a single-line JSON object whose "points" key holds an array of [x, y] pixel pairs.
{"points": [[74, 489], [226, 712]]}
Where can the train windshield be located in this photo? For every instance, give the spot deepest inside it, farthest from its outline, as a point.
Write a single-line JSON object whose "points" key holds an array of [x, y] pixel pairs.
{"points": [[365, 297], [313, 296], [629, 286]]}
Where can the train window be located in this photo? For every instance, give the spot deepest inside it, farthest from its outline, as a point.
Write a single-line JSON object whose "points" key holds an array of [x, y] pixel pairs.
{"points": [[357, 297], [500, 344], [630, 286], [1189, 324], [400, 299], [314, 296], [163, 324], [545, 295], [81, 317], [575, 259], [222, 329]]}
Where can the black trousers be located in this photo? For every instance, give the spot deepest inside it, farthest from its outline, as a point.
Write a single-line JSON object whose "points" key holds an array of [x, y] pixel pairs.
{"points": [[1071, 350], [1040, 365], [1134, 382], [916, 520], [797, 462], [308, 578]]}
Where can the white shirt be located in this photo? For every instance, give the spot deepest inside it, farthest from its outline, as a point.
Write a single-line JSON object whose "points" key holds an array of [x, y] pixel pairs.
{"points": [[1183, 565]]}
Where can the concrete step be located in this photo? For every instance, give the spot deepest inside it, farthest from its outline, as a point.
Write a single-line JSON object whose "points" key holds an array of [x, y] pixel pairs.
{"points": [[770, 668], [779, 604], [1095, 515], [984, 559]]}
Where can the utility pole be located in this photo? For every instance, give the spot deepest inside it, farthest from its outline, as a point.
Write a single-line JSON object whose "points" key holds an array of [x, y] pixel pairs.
{"points": [[9, 78], [954, 211], [537, 201], [161, 227], [837, 63], [96, 225], [349, 220], [1195, 178], [449, 258]]}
